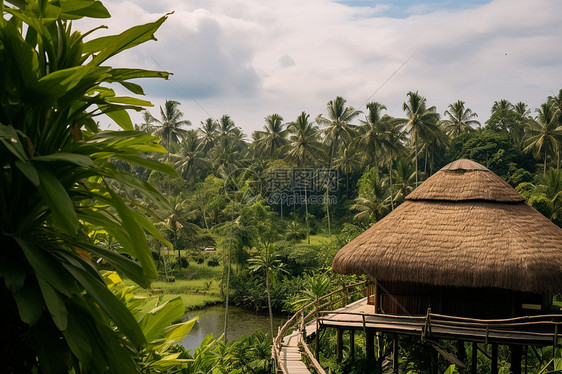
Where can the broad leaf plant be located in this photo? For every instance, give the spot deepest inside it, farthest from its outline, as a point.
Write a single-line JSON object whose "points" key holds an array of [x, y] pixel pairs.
{"points": [[56, 181]]}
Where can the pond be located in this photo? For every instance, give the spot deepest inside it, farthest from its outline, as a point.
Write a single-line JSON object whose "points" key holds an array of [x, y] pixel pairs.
{"points": [[241, 322]]}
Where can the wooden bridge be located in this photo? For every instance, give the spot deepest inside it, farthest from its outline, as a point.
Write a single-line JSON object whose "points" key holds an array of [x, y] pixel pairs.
{"points": [[292, 355]]}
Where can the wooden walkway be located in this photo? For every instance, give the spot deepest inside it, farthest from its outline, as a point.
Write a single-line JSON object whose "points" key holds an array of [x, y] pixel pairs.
{"points": [[290, 349], [291, 356]]}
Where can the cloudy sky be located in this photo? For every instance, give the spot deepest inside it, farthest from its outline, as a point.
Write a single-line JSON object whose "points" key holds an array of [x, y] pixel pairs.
{"points": [[252, 58]]}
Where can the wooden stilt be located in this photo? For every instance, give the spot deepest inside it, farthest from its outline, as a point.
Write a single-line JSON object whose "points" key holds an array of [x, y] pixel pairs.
{"points": [[516, 352], [370, 345], [461, 353], [474, 364], [494, 361], [526, 353], [352, 344], [434, 361], [339, 345], [395, 354]]}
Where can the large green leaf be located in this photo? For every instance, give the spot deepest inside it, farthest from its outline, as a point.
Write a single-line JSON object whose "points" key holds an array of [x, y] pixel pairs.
{"points": [[149, 227], [73, 158], [155, 321], [130, 268], [122, 119], [58, 200], [178, 331], [10, 139], [97, 289], [55, 304], [29, 302], [136, 237], [109, 46], [45, 264], [75, 9]]}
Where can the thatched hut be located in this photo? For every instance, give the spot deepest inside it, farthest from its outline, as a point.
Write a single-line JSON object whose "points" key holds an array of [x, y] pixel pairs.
{"points": [[464, 243]]}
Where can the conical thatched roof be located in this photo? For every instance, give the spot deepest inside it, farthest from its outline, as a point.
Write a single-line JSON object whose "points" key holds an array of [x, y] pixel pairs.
{"points": [[465, 227]]}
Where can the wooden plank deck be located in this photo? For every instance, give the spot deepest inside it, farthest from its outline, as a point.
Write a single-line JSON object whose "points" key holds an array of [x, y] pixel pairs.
{"points": [[291, 356], [360, 315]]}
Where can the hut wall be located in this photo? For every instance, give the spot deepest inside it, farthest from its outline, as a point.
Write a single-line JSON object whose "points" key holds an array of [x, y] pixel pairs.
{"points": [[402, 298]]}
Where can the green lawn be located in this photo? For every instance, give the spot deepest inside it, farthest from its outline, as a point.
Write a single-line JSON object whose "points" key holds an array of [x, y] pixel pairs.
{"points": [[318, 239], [201, 287]]}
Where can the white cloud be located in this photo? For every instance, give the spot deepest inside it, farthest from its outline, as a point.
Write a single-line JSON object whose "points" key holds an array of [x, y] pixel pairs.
{"points": [[252, 58]]}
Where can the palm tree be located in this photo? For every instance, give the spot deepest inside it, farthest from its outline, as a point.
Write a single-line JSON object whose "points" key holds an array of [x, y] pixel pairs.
{"points": [[169, 126], [226, 126], [393, 148], [421, 122], [190, 157], [147, 125], [460, 119], [348, 163], [338, 124], [556, 102], [268, 261], [522, 109], [373, 203], [371, 133], [268, 142], [404, 175], [209, 134], [545, 134], [503, 104], [304, 146], [338, 127]]}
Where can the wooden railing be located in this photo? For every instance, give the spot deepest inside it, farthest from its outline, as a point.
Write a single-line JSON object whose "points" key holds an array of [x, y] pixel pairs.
{"points": [[548, 326], [326, 303]]}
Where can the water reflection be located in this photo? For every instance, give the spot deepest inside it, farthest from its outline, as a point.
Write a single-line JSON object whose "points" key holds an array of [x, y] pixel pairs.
{"points": [[241, 322]]}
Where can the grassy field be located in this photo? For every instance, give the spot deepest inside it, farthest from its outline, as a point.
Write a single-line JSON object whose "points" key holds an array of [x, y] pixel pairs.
{"points": [[317, 239], [199, 288]]}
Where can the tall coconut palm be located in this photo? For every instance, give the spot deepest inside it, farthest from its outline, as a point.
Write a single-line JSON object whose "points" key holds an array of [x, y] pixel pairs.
{"points": [[209, 134], [267, 261], [147, 124], [373, 203], [268, 142], [371, 135], [304, 146], [169, 126], [522, 109], [503, 104], [556, 102], [545, 134], [226, 126], [460, 119], [338, 124], [421, 122], [338, 127], [190, 157], [393, 148], [347, 162]]}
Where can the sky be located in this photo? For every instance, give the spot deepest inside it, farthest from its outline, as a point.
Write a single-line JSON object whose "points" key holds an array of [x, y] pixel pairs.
{"points": [[252, 58]]}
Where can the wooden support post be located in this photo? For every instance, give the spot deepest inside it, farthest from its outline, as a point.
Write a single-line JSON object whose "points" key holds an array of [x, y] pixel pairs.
{"points": [[526, 359], [516, 353], [377, 297], [395, 354], [474, 357], [339, 345], [352, 344], [494, 361], [434, 361], [370, 345], [461, 353]]}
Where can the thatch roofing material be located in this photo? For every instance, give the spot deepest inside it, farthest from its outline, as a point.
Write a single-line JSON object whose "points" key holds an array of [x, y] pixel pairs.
{"points": [[466, 243]]}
